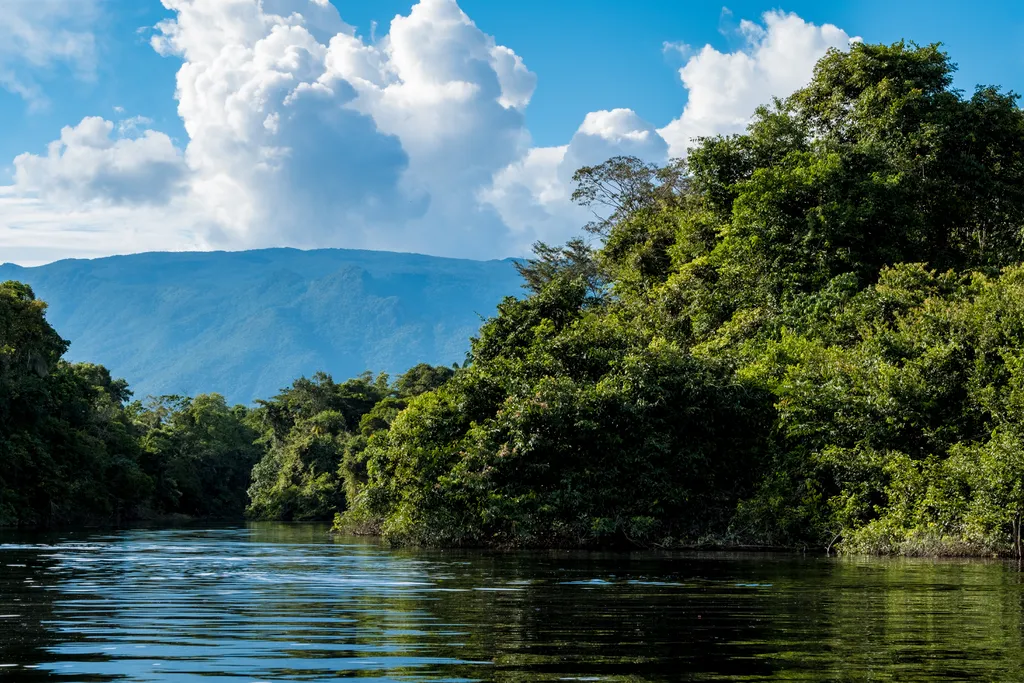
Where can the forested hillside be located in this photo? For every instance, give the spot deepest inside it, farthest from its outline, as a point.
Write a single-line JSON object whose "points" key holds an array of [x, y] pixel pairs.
{"points": [[245, 324], [76, 449], [808, 335]]}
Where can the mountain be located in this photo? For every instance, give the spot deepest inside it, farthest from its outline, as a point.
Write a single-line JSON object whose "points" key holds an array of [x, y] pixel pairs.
{"points": [[246, 324]]}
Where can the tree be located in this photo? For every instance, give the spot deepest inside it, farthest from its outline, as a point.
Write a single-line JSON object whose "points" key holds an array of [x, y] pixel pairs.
{"points": [[826, 284], [574, 260], [67, 450], [200, 453], [315, 432]]}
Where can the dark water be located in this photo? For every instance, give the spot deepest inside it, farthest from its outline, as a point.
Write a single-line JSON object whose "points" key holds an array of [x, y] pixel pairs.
{"points": [[276, 602]]}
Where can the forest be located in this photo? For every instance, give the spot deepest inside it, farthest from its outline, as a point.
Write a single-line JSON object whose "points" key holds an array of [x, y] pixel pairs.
{"points": [[76, 450], [807, 335]]}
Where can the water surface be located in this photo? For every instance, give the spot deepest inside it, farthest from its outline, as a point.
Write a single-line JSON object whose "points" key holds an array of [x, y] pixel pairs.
{"points": [[287, 603]]}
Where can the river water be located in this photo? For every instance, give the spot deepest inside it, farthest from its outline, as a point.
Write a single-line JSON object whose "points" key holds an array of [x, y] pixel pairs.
{"points": [[272, 602]]}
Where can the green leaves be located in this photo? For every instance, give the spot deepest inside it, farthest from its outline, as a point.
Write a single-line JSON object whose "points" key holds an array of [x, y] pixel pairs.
{"points": [[199, 452], [574, 428], [810, 333], [799, 335], [67, 449], [315, 433]]}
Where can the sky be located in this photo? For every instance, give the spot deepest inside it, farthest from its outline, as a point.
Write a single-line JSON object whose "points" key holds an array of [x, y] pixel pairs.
{"points": [[439, 127]]}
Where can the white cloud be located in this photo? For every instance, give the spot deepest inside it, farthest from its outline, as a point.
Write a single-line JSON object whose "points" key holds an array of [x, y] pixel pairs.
{"points": [[531, 198], [455, 99], [604, 134], [724, 89], [37, 35], [300, 130], [273, 151], [34, 231], [87, 165], [532, 194], [676, 49], [302, 133], [133, 125]]}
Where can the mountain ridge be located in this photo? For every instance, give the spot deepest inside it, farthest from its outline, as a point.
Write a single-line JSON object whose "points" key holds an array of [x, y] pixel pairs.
{"points": [[247, 323]]}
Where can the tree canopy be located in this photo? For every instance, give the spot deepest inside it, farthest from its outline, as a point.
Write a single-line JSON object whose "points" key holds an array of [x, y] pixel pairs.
{"points": [[808, 334], [804, 334]]}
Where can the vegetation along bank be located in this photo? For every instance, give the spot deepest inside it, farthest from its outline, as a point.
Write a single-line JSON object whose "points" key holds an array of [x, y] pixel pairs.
{"points": [[810, 334]]}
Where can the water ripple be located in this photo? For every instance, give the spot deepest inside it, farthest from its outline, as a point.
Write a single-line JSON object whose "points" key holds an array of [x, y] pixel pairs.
{"points": [[280, 602]]}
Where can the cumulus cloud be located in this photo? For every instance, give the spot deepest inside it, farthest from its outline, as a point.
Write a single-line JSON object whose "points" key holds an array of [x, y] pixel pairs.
{"points": [[532, 194], [88, 164], [724, 89], [37, 35], [604, 134], [453, 96], [274, 153], [456, 100], [303, 133]]}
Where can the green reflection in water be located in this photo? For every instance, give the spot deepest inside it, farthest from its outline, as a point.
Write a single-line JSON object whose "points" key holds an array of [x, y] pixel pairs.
{"points": [[286, 602]]}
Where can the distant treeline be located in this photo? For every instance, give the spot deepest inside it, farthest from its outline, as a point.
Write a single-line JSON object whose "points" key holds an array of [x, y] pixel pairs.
{"points": [[74, 448], [810, 334]]}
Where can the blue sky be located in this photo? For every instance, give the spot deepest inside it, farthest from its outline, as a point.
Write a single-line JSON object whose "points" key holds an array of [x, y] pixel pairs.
{"points": [[444, 171]]}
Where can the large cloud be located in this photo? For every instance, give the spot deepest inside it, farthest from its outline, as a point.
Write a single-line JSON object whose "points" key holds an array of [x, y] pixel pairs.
{"points": [[276, 153], [455, 98], [36, 35], [451, 94], [302, 133]]}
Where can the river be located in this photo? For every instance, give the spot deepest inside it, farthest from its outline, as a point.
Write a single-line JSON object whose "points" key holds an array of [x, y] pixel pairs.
{"points": [[275, 602]]}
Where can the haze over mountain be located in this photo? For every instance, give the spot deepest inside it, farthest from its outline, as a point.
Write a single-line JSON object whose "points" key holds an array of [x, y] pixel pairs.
{"points": [[246, 324]]}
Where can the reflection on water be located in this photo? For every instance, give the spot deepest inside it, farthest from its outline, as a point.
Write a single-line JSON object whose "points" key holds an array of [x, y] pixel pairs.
{"points": [[284, 602]]}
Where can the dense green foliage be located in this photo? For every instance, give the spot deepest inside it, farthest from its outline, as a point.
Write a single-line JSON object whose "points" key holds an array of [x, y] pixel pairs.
{"points": [[73, 450], [811, 333], [199, 451], [808, 334], [314, 433], [66, 446]]}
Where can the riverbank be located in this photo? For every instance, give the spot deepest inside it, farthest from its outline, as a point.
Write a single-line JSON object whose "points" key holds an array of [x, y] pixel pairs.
{"points": [[916, 545]]}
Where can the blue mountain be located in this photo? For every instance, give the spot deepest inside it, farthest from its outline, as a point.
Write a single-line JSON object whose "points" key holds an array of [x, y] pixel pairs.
{"points": [[246, 324]]}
